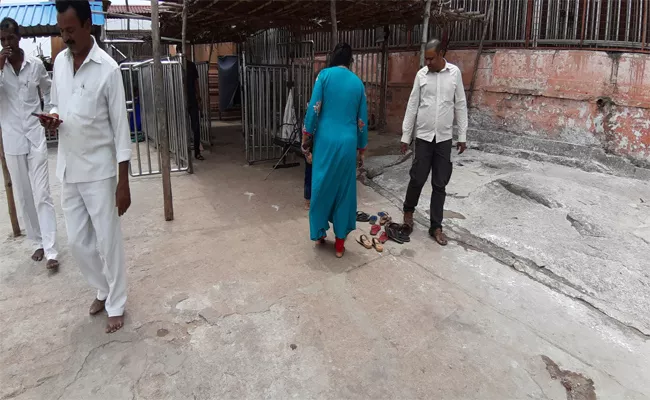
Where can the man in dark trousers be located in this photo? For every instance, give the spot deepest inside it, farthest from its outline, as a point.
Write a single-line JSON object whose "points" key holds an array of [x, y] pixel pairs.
{"points": [[437, 97], [193, 102]]}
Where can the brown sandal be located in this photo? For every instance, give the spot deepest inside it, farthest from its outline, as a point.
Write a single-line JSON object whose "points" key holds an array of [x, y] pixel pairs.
{"points": [[365, 242]]}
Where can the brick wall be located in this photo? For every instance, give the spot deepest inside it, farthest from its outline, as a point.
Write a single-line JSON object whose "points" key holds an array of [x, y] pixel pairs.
{"points": [[590, 98]]}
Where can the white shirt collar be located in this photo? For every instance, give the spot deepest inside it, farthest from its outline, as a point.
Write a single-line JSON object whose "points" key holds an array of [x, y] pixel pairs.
{"points": [[445, 68], [93, 54]]}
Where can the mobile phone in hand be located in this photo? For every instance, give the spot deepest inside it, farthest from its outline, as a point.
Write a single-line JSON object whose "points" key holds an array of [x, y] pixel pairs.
{"points": [[45, 116]]}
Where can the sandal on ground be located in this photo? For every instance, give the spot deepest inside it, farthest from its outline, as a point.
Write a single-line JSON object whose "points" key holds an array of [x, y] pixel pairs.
{"points": [[377, 245], [365, 242], [385, 219], [383, 238], [399, 231], [362, 217], [199, 157], [374, 230], [393, 234], [373, 220]]}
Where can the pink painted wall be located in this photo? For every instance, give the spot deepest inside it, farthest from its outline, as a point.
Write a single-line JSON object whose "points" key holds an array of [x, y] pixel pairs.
{"points": [[548, 94]]}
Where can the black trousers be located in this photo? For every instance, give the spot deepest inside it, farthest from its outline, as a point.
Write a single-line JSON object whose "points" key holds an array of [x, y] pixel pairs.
{"points": [[435, 158], [307, 180], [193, 110]]}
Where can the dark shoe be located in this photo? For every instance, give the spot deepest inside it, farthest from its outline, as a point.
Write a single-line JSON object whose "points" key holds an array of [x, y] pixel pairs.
{"points": [[408, 218], [438, 236]]}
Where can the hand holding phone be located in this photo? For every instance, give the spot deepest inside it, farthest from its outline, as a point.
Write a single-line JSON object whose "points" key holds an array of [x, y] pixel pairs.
{"points": [[49, 121]]}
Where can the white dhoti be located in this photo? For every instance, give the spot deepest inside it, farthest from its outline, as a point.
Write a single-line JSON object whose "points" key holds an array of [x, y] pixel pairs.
{"points": [[95, 238], [30, 179]]}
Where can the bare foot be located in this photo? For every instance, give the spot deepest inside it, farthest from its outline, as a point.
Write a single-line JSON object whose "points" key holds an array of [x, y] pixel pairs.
{"points": [[115, 324], [52, 265], [38, 255], [307, 204], [97, 307]]}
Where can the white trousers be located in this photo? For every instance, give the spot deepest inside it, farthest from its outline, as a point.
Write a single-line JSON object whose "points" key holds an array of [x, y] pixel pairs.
{"points": [[30, 179], [95, 238]]}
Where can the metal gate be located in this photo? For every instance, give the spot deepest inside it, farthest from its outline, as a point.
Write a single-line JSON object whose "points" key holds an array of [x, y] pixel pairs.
{"points": [[368, 67], [138, 84], [205, 118], [265, 88]]}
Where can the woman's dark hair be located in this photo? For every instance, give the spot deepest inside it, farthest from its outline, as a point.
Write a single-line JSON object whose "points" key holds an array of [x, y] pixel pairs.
{"points": [[81, 7], [342, 55]]}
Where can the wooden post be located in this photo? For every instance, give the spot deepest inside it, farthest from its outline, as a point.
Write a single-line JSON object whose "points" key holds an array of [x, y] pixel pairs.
{"points": [[161, 117], [128, 30], [335, 30], [425, 31], [529, 21], [184, 56], [487, 22], [11, 204], [645, 26]]}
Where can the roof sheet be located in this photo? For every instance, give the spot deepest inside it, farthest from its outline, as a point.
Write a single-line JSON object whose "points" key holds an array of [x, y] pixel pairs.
{"points": [[232, 20], [121, 9], [39, 19]]}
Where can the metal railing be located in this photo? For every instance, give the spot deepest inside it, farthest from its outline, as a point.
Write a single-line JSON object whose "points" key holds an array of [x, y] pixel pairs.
{"points": [[277, 68], [204, 92], [139, 83], [611, 24]]}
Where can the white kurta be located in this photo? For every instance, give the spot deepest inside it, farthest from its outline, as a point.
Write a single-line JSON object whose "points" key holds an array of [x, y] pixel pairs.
{"points": [[93, 138], [26, 150]]}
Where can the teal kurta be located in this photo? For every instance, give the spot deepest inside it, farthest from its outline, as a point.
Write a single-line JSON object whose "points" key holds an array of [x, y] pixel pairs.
{"points": [[337, 117]]}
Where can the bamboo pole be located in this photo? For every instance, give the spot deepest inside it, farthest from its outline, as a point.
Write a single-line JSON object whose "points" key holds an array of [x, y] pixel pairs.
{"points": [[335, 30], [161, 117], [487, 23], [425, 31], [11, 204]]}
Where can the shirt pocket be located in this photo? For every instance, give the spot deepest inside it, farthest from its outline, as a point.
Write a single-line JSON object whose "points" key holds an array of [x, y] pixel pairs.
{"points": [[84, 104], [447, 91]]}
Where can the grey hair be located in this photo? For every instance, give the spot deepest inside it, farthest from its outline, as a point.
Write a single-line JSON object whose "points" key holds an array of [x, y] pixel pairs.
{"points": [[434, 44]]}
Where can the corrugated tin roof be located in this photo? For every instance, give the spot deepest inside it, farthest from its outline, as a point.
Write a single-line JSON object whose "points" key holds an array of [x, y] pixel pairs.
{"points": [[39, 19], [121, 9]]}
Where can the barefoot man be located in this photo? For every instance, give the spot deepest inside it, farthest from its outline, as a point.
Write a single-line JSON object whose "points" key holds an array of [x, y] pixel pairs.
{"points": [[25, 146], [89, 108]]}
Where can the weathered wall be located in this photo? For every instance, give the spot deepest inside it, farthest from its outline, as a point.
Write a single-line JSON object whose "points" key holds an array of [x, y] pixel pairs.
{"points": [[588, 98]]}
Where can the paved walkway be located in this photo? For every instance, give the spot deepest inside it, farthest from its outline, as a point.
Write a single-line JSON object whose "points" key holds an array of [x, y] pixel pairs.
{"points": [[231, 301]]}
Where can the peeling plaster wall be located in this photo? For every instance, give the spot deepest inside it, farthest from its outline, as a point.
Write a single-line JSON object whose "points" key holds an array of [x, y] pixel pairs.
{"points": [[587, 98]]}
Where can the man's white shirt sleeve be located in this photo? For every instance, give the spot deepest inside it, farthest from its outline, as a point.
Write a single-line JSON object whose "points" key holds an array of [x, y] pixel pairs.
{"points": [[118, 117], [411, 111]]}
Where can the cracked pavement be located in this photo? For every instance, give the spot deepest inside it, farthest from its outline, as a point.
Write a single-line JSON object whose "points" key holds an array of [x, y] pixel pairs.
{"points": [[230, 300]]}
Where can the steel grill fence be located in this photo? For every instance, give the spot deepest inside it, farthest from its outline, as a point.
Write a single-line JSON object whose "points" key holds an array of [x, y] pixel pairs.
{"points": [[612, 24]]}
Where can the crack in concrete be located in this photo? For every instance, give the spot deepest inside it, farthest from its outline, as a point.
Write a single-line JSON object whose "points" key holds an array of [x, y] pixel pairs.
{"points": [[24, 389], [470, 241], [83, 364], [527, 194]]}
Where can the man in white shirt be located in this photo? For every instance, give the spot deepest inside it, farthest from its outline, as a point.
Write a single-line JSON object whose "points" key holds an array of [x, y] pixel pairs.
{"points": [[88, 97], [437, 97], [25, 146]]}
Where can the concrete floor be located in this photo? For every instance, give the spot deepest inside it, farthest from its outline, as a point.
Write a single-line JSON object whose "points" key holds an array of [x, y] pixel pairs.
{"points": [[230, 300]]}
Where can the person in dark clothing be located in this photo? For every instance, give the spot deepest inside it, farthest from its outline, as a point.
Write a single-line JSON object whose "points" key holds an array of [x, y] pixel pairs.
{"points": [[193, 102], [307, 183]]}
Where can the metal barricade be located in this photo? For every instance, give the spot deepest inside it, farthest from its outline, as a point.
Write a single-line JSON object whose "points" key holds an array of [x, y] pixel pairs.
{"points": [[204, 91], [141, 110], [265, 88]]}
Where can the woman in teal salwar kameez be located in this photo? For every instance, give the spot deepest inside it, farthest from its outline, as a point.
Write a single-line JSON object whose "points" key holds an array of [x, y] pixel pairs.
{"points": [[336, 121]]}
